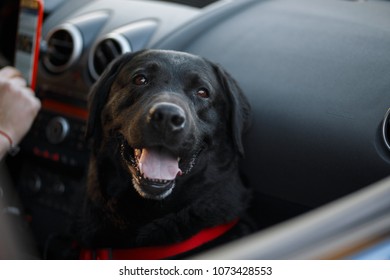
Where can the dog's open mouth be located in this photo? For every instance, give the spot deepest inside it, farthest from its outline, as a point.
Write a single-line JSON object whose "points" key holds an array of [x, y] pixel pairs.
{"points": [[154, 170], [157, 164]]}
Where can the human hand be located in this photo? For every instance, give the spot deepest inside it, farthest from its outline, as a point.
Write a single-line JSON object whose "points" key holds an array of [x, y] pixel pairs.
{"points": [[18, 104]]}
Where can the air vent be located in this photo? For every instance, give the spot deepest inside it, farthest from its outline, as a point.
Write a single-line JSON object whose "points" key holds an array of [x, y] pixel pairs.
{"points": [[105, 51], [64, 46], [386, 129]]}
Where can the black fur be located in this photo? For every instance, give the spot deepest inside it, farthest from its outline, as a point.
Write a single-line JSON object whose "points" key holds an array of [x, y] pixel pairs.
{"points": [[210, 141]]}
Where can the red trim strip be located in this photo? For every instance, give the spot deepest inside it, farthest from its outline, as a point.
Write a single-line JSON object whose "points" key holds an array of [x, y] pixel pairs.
{"points": [[66, 109], [37, 44], [158, 252]]}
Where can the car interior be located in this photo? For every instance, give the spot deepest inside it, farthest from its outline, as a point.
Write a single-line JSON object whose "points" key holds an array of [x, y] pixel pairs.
{"points": [[316, 73]]}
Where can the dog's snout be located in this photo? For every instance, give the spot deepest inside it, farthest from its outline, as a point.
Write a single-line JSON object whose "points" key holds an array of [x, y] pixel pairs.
{"points": [[166, 116]]}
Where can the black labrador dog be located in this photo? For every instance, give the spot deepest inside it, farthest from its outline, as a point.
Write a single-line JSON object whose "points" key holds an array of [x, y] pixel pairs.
{"points": [[166, 135]]}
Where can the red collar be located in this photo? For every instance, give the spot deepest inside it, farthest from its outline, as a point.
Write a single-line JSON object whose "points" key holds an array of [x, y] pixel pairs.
{"points": [[158, 252]]}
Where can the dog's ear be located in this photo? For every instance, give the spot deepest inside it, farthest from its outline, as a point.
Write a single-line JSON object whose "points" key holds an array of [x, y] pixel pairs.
{"points": [[98, 96], [240, 108]]}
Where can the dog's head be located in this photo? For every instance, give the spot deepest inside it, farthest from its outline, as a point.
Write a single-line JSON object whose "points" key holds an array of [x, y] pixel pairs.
{"points": [[165, 109]]}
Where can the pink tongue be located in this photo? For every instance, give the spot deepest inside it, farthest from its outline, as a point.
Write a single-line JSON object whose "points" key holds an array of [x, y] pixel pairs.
{"points": [[157, 164]]}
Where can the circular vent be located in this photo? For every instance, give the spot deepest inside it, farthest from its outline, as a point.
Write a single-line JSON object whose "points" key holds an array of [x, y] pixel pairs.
{"points": [[105, 51], [64, 46], [386, 129]]}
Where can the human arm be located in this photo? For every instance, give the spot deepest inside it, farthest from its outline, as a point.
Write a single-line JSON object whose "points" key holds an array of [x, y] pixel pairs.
{"points": [[18, 108]]}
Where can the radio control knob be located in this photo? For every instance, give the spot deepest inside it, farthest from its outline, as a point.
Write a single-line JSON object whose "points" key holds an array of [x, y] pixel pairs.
{"points": [[59, 188], [35, 184], [57, 130]]}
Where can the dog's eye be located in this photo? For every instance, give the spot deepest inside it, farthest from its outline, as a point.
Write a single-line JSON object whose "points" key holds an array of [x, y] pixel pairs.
{"points": [[140, 80], [202, 92]]}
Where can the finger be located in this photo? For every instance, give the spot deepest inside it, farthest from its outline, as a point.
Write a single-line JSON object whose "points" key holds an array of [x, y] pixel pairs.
{"points": [[10, 72], [28, 91], [18, 81]]}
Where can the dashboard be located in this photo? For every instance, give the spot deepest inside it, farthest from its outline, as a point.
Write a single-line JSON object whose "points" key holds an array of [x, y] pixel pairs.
{"points": [[317, 74]]}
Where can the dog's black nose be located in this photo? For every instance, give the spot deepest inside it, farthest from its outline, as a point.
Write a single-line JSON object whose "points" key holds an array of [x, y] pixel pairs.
{"points": [[167, 117]]}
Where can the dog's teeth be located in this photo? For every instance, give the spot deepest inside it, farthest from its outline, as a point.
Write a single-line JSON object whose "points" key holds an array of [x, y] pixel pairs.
{"points": [[160, 181]]}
